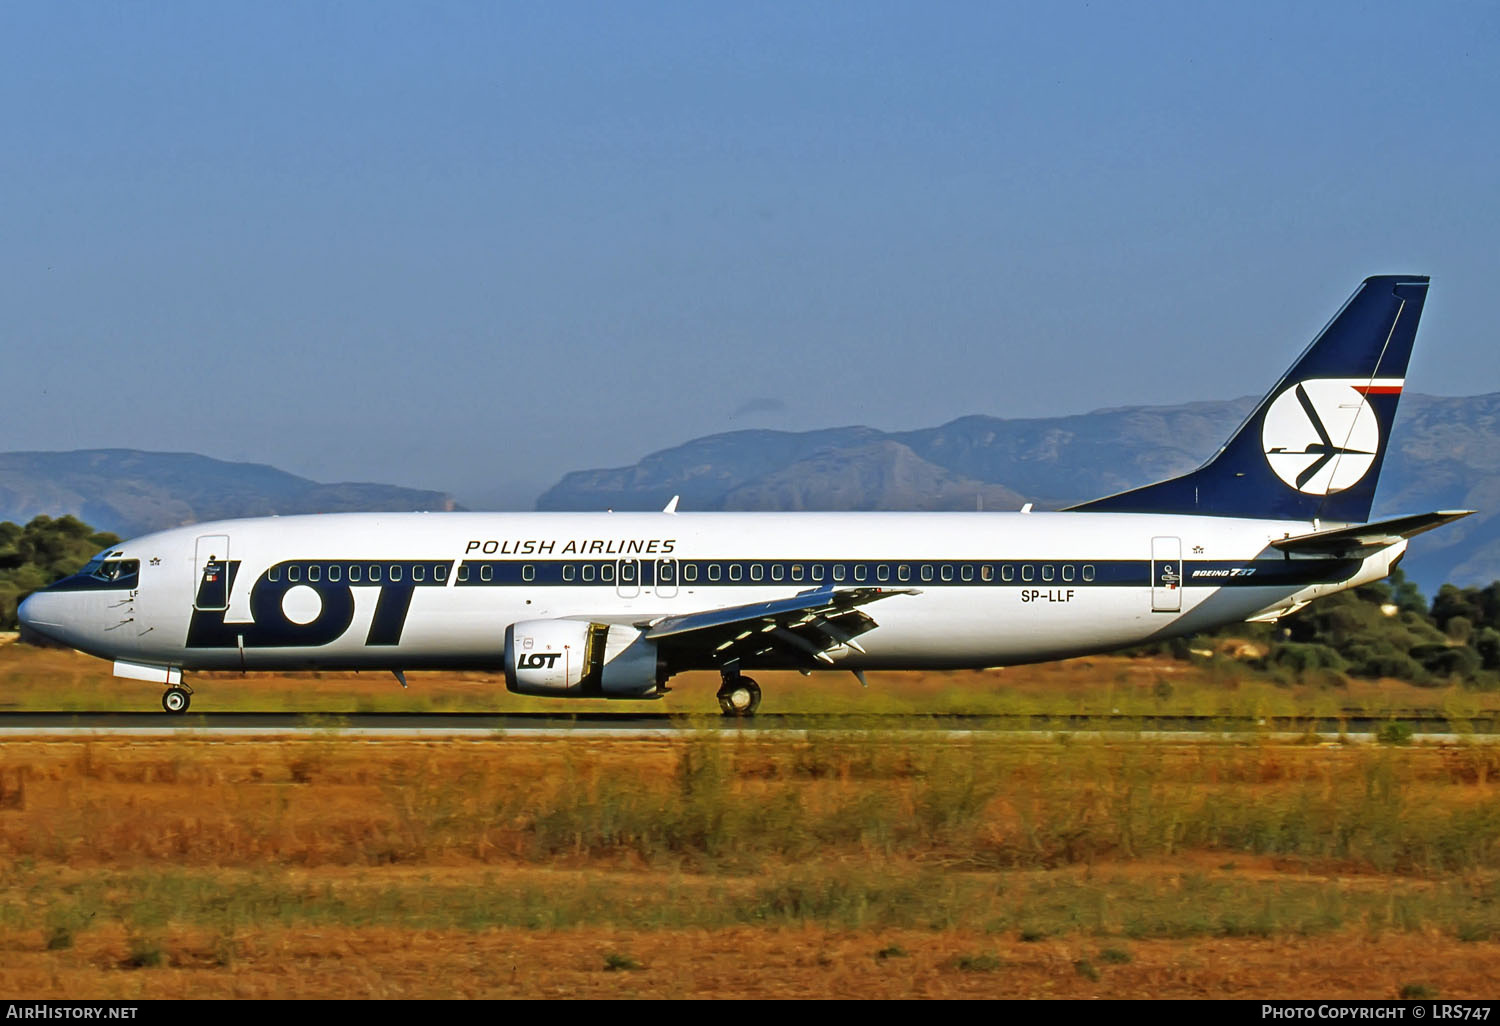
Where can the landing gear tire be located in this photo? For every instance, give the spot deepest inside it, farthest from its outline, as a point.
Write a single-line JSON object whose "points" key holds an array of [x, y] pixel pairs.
{"points": [[176, 700], [739, 697]]}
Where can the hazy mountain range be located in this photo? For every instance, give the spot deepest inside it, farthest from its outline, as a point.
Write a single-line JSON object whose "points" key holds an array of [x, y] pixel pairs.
{"points": [[1445, 455], [131, 492]]}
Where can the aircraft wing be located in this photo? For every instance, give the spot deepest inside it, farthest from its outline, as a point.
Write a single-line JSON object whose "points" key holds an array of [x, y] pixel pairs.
{"points": [[810, 624], [1363, 539]]}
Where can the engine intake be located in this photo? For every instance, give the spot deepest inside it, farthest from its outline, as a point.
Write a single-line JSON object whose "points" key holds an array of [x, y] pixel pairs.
{"points": [[578, 659]]}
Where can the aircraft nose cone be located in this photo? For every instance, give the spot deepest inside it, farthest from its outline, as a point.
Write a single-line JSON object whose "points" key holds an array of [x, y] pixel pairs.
{"points": [[32, 614]]}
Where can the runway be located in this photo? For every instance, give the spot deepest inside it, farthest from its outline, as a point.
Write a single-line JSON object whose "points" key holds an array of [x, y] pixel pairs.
{"points": [[374, 725]]}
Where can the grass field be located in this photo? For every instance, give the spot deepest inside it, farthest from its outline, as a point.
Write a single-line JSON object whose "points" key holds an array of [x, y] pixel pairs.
{"points": [[866, 863], [853, 865]]}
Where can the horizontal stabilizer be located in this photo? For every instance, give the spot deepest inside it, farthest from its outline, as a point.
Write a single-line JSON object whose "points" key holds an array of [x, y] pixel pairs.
{"points": [[1362, 539]]}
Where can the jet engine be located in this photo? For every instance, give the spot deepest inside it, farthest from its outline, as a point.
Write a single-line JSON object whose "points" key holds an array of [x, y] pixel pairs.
{"points": [[579, 659]]}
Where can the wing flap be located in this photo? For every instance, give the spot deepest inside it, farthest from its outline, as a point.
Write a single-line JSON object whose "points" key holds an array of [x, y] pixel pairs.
{"points": [[1363, 539], [809, 625]]}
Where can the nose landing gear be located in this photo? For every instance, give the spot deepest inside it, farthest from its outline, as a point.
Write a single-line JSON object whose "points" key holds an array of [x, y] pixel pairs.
{"points": [[739, 696], [177, 699]]}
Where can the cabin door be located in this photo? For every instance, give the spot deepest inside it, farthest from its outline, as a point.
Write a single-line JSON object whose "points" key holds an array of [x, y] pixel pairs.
{"points": [[211, 572], [1166, 575]]}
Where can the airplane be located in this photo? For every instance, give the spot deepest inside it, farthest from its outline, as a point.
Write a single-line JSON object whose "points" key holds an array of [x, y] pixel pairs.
{"points": [[613, 605]]}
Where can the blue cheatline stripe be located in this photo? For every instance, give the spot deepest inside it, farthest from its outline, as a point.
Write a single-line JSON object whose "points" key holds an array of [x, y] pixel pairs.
{"points": [[812, 573]]}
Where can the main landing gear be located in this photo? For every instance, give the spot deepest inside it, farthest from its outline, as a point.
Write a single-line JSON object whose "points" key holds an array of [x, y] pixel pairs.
{"points": [[177, 699], [739, 696]]}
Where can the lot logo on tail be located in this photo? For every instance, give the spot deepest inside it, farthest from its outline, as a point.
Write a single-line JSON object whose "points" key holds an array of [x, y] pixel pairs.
{"points": [[1321, 436]]}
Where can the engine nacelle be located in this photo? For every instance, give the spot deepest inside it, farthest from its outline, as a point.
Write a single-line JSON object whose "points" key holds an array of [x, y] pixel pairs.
{"points": [[578, 659]]}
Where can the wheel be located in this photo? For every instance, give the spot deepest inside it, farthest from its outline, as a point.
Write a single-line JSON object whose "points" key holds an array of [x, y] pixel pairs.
{"points": [[176, 700], [739, 697]]}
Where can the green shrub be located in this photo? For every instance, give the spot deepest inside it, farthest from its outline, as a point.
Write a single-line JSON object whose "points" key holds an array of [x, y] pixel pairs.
{"points": [[1395, 733], [1301, 657]]}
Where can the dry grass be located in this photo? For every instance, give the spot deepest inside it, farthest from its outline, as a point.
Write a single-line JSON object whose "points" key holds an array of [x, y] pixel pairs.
{"points": [[849, 866], [853, 865]]}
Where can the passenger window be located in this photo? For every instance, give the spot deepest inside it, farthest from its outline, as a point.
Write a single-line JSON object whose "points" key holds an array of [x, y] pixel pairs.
{"points": [[440, 573], [777, 571], [735, 571], [1046, 571], [713, 571], [883, 572], [817, 571], [1088, 571], [627, 572], [1007, 573], [588, 571], [947, 572], [690, 572], [419, 573], [294, 573], [568, 571], [314, 573], [860, 572], [838, 571], [463, 573], [1027, 571], [756, 571], [396, 571], [607, 573], [664, 573], [273, 574], [335, 572], [903, 572], [967, 572], [986, 573], [486, 573], [354, 572], [528, 572], [1067, 571], [926, 571], [796, 571], [374, 572]]}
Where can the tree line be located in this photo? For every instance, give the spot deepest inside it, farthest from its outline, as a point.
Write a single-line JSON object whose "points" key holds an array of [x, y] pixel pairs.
{"points": [[43, 551]]}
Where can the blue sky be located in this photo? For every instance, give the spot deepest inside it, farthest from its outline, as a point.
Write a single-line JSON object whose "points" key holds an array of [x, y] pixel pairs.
{"points": [[474, 246]]}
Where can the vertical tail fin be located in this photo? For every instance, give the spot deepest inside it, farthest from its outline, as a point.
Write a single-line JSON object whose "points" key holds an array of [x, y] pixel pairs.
{"points": [[1314, 446]]}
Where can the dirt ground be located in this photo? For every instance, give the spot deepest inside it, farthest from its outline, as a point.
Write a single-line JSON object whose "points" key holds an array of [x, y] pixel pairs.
{"points": [[746, 963]]}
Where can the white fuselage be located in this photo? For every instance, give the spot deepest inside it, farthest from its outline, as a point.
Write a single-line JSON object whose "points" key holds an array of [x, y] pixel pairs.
{"points": [[993, 588]]}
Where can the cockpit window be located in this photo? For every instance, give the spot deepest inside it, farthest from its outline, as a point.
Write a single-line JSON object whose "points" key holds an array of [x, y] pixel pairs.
{"points": [[102, 573], [118, 571]]}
